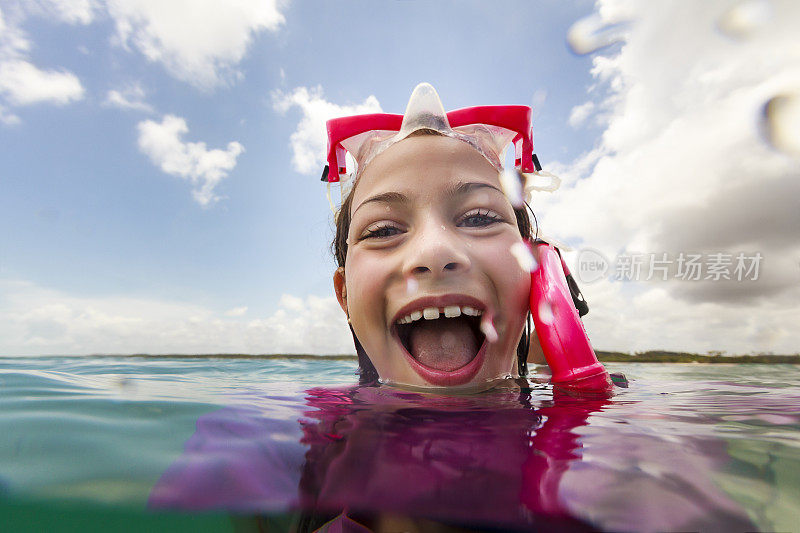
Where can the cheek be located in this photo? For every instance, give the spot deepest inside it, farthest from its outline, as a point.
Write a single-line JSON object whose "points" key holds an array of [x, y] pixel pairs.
{"points": [[513, 285], [366, 279], [517, 291], [512, 282], [368, 282], [519, 280]]}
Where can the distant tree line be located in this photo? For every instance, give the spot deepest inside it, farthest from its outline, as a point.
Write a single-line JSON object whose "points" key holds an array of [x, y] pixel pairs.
{"points": [[652, 356], [659, 356]]}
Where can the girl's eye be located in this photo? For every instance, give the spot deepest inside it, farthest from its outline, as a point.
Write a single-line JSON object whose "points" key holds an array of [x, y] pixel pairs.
{"points": [[380, 231], [479, 219]]}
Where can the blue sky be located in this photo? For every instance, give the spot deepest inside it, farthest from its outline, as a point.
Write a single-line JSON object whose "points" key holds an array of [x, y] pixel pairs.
{"points": [[109, 108]]}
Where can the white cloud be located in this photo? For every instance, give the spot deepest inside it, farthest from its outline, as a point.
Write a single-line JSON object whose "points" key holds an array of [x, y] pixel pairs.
{"points": [[580, 113], [197, 41], [683, 166], [237, 311], [646, 316], [130, 97], [13, 41], [34, 320], [7, 118], [22, 83], [192, 161], [69, 11], [309, 140]]}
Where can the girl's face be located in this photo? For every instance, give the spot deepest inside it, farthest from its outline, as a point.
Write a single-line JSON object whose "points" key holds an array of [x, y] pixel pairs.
{"points": [[428, 276]]}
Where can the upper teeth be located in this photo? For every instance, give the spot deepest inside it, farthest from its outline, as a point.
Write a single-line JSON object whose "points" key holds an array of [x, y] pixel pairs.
{"points": [[432, 313]]}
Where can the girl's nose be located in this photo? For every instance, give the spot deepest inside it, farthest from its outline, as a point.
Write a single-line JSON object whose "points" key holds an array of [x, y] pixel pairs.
{"points": [[436, 249]]}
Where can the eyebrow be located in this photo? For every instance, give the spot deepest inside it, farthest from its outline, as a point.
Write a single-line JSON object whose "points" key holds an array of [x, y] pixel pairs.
{"points": [[386, 198], [466, 187], [399, 198]]}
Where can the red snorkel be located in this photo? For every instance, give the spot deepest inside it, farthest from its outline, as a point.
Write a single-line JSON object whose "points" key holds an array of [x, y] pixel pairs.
{"points": [[564, 342]]}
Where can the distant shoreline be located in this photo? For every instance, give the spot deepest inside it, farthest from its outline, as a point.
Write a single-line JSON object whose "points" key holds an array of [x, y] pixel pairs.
{"points": [[653, 356], [656, 356]]}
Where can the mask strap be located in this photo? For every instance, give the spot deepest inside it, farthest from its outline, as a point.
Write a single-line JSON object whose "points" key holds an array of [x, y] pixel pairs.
{"points": [[330, 200]]}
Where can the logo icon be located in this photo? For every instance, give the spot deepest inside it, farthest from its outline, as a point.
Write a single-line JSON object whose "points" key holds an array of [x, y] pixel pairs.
{"points": [[591, 265]]}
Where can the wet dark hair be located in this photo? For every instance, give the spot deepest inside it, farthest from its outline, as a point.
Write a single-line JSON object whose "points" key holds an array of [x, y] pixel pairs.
{"points": [[366, 370]]}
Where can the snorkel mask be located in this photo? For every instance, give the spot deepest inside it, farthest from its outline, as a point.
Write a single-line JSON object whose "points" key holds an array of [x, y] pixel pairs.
{"points": [[488, 129]]}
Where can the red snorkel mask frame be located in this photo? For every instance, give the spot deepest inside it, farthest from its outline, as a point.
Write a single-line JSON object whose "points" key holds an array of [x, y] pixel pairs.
{"points": [[515, 118]]}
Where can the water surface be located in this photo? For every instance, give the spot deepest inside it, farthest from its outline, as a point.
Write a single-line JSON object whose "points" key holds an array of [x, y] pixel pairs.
{"points": [[105, 439]]}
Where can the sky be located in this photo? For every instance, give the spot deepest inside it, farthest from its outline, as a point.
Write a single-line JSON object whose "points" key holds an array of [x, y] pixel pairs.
{"points": [[160, 162]]}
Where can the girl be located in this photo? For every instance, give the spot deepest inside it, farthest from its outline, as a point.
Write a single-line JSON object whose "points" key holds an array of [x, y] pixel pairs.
{"points": [[433, 296]]}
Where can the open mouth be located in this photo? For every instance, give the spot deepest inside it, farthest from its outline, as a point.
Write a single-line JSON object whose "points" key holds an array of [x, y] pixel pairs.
{"points": [[445, 346]]}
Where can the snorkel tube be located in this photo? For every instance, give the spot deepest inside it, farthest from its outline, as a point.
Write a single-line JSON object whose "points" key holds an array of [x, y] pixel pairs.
{"points": [[564, 342]]}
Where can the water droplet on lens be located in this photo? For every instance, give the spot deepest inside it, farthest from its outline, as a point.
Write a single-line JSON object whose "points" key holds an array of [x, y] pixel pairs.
{"points": [[781, 122], [546, 312], [541, 181], [412, 285], [511, 183], [745, 18], [524, 257], [592, 33], [487, 328]]}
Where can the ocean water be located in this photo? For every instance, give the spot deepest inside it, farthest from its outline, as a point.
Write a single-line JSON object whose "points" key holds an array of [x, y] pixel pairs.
{"points": [[205, 444]]}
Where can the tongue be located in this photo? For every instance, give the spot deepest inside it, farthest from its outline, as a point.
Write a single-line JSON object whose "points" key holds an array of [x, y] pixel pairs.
{"points": [[443, 344]]}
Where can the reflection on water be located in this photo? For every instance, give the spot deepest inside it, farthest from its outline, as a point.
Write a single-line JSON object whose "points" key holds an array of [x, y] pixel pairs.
{"points": [[489, 459], [498, 459], [685, 447]]}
